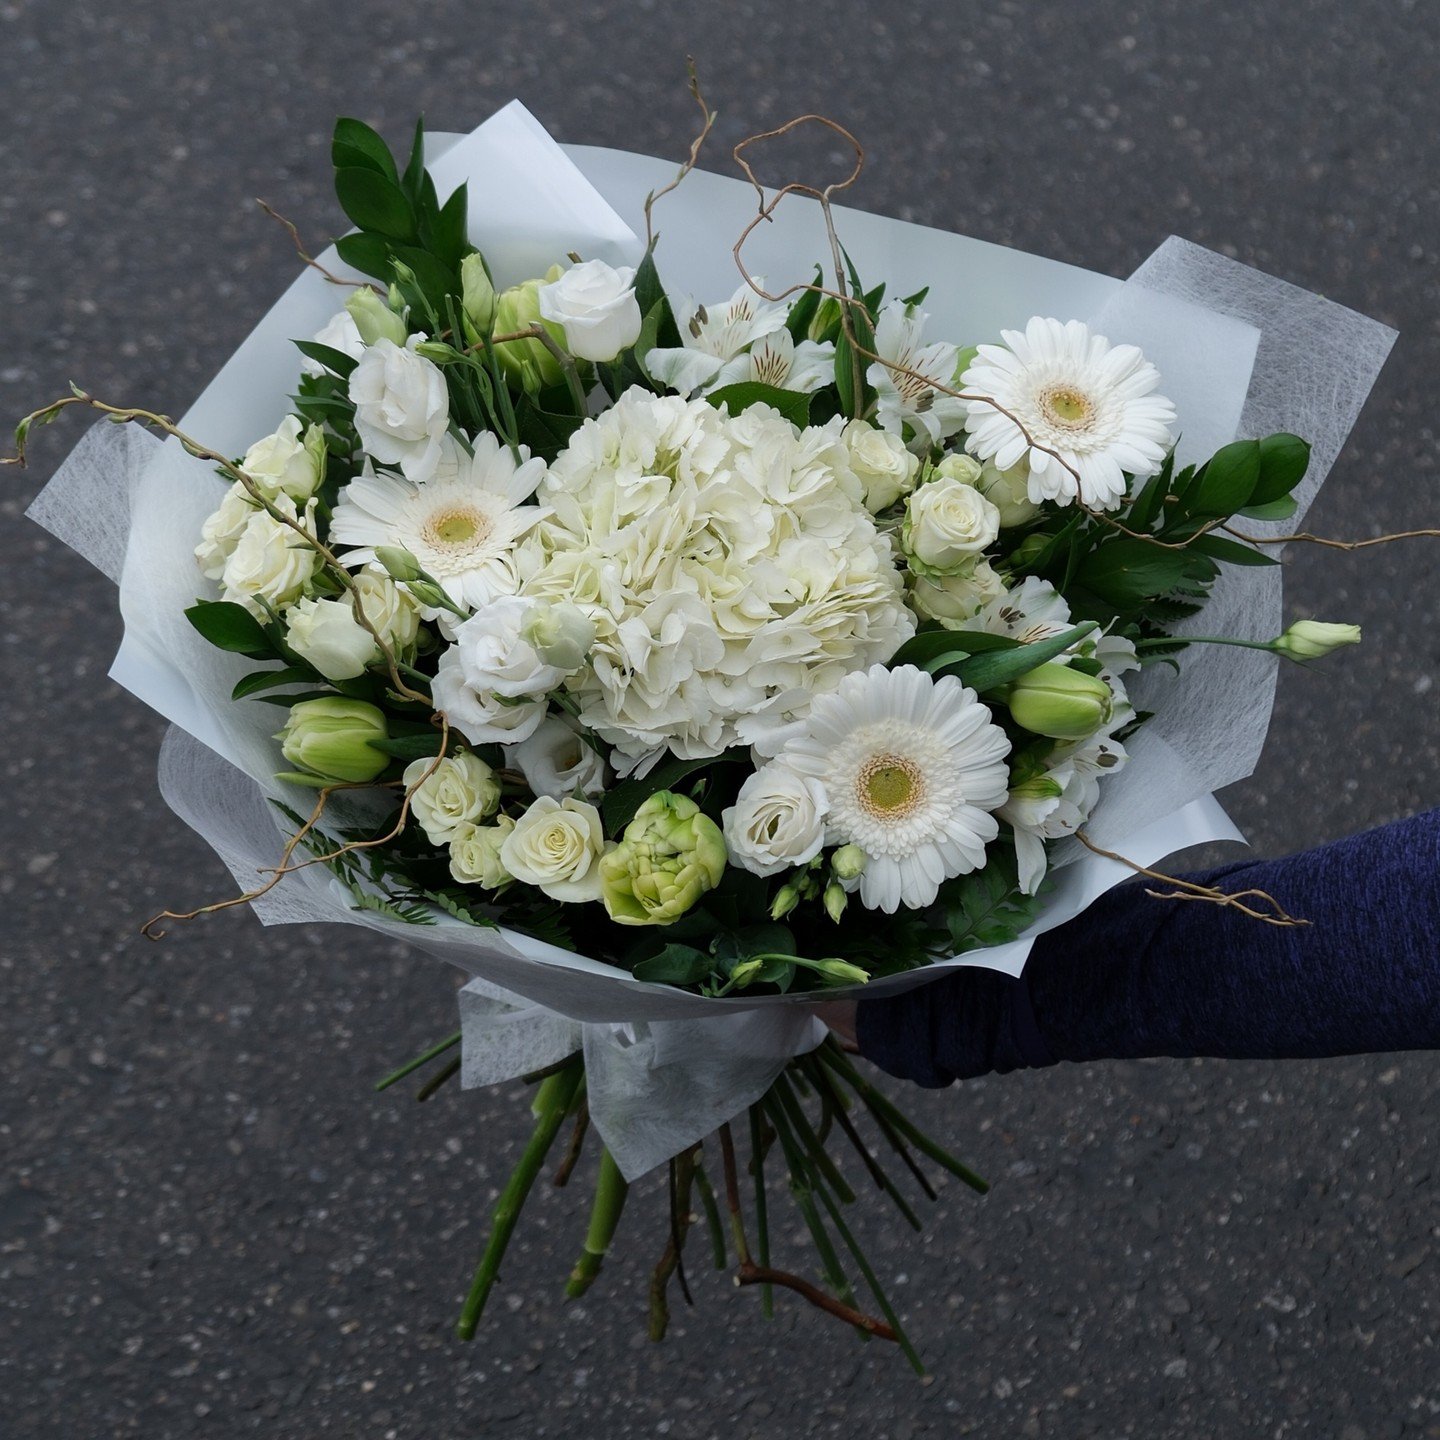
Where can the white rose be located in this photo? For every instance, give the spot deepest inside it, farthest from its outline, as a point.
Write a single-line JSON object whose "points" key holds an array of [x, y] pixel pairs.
{"points": [[222, 531], [459, 790], [964, 468], [270, 561], [954, 599], [947, 522], [1009, 492], [475, 854], [491, 682], [597, 308], [777, 820], [556, 761], [288, 462], [339, 333], [402, 408], [556, 845], [327, 635], [881, 462]]}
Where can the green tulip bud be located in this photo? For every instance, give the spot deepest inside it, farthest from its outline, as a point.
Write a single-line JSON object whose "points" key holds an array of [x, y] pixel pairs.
{"points": [[1314, 639], [1062, 703], [477, 297], [374, 319], [668, 857], [1027, 551], [528, 362], [329, 738], [848, 862], [835, 900]]}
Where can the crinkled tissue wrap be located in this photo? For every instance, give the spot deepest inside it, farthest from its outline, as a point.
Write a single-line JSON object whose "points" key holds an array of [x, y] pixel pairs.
{"points": [[1240, 353]]}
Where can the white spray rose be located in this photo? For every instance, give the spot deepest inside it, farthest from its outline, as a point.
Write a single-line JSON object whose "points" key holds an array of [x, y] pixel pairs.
{"points": [[270, 561], [556, 845], [881, 462], [289, 462], [562, 634], [555, 760], [1009, 492], [964, 468], [402, 408], [954, 599], [596, 307], [222, 531], [327, 635], [475, 854], [458, 790], [491, 682], [947, 523], [339, 333], [777, 820]]}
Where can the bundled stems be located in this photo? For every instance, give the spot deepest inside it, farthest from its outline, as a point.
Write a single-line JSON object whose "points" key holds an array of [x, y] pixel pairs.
{"points": [[611, 1188], [682, 1176], [411, 1066]]}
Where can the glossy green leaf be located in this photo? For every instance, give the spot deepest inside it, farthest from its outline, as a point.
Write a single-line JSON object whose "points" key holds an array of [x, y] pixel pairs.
{"points": [[794, 406], [374, 203]]}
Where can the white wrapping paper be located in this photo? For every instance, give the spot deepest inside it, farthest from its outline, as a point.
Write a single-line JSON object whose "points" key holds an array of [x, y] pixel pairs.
{"points": [[1239, 352]]}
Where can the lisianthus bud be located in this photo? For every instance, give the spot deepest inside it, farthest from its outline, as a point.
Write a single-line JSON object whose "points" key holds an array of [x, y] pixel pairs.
{"points": [[374, 319], [561, 634], [787, 897], [529, 362], [1313, 639], [1062, 703], [669, 856], [330, 739], [841, 971], [477, 294], [848, 862], [835, 900], [1028, 551]]}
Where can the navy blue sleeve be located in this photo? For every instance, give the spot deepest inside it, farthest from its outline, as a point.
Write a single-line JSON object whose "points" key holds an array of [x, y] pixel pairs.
{"points": [[1136, 976]]}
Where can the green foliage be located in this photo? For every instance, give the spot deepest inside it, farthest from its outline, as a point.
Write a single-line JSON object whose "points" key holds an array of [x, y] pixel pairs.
{"points": [[231, 627], [736, 399], [986, 907]]}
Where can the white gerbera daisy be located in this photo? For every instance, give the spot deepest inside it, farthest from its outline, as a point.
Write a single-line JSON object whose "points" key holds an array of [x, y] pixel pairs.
{"points": [[1075, 395], [905, 387], [711, 335], [911, 767], [461, 525]]}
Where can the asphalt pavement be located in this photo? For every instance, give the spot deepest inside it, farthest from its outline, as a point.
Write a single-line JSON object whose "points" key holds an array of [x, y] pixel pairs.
{"points": [[209, 1223]]}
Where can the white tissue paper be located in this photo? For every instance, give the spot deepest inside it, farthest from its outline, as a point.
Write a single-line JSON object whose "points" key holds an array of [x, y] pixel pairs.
{"points": [[1240, 353]]}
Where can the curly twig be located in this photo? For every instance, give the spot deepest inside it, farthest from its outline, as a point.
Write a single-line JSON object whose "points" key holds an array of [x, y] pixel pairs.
{"points": [[309, 259], [707, 124]]}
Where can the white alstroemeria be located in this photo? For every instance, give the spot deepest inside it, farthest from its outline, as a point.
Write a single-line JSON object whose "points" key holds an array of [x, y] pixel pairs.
{"points": [[270, 561], [402, 407], [289, 462], [912, 768], [491, 684], [556, 845], [777, 821], [1035, 610], [446, 794], [775, 359], [596, 307], [461, 525], [711, 335], [907, 374], [1073, 395], [339, 333], [557, 761], [222, 530], [883, 465]]}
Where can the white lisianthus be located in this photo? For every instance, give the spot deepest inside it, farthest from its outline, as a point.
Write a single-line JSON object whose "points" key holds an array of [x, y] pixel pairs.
{"points": [[556, 846], [557, 761], [289, 462], [954, 599], [884, 466], [562, 634], [596, 307], [777, 821], [402, 407], [374, 319], [947, 524], [475, 854], [222, 531], [1009, 492], [339, 333], [326, 634], [446, 794], [491, 682], [270, 562]]}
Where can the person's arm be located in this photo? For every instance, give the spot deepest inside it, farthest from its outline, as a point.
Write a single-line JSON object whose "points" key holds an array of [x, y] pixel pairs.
{"points": [[1136, 976]]}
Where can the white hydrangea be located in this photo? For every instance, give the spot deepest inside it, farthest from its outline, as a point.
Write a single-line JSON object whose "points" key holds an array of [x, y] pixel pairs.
{"points": [[729, 566]]}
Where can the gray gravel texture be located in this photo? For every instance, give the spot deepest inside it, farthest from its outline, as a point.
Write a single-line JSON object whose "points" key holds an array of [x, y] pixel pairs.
{"points": [[209, 1225]]}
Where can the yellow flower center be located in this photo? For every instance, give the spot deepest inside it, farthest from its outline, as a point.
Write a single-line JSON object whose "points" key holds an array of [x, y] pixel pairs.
{"points": [[1067, 407], [457, 529], [890, 787]]}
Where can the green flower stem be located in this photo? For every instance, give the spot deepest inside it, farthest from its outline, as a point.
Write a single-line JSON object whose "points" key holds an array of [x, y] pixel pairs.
{"points": [[1204, 640], [812, 1142], [552, 1104], [762, 1214], [611, 1188], [881, 1104], [712, 1216], [437, 1080], [682, 1176], [411, 1066]]}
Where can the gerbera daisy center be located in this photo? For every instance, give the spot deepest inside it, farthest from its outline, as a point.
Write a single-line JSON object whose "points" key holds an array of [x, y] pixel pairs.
{"points": [[458, 529], [1067, 407], [889, 787]]}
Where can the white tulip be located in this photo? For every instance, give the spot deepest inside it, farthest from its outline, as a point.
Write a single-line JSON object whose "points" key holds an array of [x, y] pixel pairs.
{"points": [[402, 407], [555, 761], [458, 790], [596, 307], [777, 820], [556, 845]]}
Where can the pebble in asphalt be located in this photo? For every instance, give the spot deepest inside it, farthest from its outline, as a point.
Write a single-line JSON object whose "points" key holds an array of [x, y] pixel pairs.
{"points": [[209, 1225]]}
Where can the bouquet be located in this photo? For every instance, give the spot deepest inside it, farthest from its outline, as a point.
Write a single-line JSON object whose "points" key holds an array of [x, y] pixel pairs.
{"points": [[672, 654]]}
